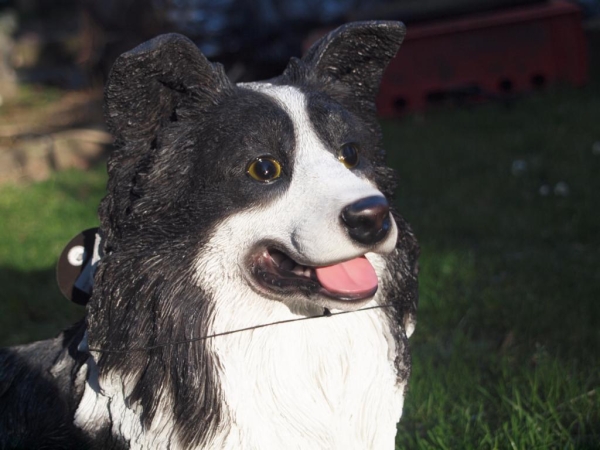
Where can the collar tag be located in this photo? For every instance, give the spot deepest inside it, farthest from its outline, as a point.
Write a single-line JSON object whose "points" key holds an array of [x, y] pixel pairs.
{"points": [[77, 265]]}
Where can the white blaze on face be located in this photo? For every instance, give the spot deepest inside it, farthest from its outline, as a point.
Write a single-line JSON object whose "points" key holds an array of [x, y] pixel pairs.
{"points": [[306, 219], [321, 187]]}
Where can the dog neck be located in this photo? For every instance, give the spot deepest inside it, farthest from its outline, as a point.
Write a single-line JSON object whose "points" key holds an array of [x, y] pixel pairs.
{"points": [[321, 383]]}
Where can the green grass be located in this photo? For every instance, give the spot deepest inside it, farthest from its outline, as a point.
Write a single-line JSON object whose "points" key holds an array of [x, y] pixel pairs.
{"points": [[36, 222], [507, 350]]}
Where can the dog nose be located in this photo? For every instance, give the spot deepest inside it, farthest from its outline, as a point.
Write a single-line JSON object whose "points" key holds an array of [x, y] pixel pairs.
{"points": [[367, 220]]}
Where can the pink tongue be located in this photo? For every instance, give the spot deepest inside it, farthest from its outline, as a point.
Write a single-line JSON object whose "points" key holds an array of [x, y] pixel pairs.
{"points": [[354, 277]]}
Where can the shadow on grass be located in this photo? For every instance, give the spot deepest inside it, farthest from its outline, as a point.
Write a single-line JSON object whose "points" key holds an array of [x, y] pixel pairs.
{"points": [[32, 307], [38, 220], [505, 353]]}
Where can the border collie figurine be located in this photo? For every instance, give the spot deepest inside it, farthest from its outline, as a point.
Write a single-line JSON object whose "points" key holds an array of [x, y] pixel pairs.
{"points": [[230, 207]]}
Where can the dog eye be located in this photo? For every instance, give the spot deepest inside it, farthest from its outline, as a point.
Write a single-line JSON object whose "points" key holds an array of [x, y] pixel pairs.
{"points": [[264, 169], [348, 155]]}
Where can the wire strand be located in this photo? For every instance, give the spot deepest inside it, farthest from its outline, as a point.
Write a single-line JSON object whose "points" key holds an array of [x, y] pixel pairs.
{"points": [[225, 333]]}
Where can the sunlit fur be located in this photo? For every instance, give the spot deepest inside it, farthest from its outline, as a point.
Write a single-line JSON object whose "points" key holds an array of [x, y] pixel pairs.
{"points": [[180, 226]]}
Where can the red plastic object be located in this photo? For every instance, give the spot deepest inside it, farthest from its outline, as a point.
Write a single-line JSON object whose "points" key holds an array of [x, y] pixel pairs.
{"points": [[486, 55]]}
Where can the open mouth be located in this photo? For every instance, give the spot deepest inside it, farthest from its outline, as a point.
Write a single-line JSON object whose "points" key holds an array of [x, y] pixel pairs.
{"points": [[348, 283]]}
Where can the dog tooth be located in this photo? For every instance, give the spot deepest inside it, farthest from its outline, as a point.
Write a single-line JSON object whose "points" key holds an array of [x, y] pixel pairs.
{"points": [[298, 270], [307, 271]]}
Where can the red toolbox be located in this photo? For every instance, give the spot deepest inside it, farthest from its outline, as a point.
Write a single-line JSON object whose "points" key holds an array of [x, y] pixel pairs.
{"points": [[487, 55]]}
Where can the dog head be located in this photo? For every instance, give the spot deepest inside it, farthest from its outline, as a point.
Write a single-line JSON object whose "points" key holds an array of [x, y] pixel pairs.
{"points": [[288, 172], [276, 188]]}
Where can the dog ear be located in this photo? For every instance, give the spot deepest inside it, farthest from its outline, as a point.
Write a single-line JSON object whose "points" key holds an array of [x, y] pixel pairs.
{"points": [[162, 81], [155, 83], [355, 55]]}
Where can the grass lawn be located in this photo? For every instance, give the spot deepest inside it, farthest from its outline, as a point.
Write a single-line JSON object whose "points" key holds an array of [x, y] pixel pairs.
{"points": [[36, 222], [507, 349]]}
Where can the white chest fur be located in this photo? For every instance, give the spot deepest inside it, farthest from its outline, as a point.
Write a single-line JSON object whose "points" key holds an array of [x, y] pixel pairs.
{"points": [[326, 383], [103, 405]]}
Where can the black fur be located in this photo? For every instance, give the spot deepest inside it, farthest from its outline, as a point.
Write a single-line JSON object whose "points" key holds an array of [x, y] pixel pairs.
{"points": [[39, 393], [184, 135]]}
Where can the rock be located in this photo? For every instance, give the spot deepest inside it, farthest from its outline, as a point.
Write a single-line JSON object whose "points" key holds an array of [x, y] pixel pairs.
{"points": [[79, 148], [34, 159], [10, 166], [28, 161], [34, 155]]}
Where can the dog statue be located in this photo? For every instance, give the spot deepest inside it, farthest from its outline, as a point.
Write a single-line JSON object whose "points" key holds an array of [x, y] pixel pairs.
{"points": [[257, 288]]}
